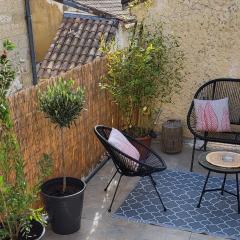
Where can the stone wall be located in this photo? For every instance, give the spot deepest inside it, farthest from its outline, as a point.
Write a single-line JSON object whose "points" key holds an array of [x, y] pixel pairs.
{"points": [[209, 34], [13, 27], [47, 16]]}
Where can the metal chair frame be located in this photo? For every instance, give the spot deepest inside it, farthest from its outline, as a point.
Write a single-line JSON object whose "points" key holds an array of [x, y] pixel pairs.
{"points": [[153, 163], [213, 90]]}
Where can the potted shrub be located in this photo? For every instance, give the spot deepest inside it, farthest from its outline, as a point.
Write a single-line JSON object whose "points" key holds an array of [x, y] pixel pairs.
{"points": [[143, 76], [19, 221], [18, 218], [63, 196]]}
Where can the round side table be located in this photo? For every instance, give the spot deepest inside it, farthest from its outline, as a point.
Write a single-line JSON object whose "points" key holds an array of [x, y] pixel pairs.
{"points": [[219, 169]]}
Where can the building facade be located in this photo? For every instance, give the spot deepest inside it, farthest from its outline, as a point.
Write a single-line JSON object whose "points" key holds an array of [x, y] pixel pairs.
{"points": [[209, 35], [13, 27], [47, 16]]}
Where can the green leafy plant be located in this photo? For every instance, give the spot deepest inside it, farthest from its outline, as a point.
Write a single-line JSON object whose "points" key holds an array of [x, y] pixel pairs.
{"points": [[17, 197], [62, 105], [149, 70]]}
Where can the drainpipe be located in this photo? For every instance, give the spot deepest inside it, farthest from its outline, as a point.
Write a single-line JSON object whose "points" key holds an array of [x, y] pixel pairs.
{"points": [[31, 41]]}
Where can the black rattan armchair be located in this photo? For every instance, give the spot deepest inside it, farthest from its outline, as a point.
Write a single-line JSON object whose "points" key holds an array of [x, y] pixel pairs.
{"points": [[126, 166], [212, 90]]}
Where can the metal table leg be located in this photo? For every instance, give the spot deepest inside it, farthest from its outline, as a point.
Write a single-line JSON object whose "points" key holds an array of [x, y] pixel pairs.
{"points": [[238, 193], [223, 184], [204, 188]]}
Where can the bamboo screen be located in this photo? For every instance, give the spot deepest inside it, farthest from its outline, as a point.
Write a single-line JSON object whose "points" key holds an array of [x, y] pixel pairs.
{"points": [[37, 135]]}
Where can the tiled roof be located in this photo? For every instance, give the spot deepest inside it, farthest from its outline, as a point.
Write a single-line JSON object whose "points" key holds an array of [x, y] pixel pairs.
{"points": [[76, 42], [111, 6]]}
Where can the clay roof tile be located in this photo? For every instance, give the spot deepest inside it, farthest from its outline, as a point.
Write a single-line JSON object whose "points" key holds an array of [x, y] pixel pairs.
{"points": [[76, 42]]}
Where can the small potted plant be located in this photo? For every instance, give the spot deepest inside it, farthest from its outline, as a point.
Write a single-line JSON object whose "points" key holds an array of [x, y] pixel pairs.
{"points": [[18, 219], [143, 76], [63, 196]]}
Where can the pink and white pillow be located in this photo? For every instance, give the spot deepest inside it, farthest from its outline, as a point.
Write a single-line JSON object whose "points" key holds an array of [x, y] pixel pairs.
{"points": [[119, 141], [212, 115]]}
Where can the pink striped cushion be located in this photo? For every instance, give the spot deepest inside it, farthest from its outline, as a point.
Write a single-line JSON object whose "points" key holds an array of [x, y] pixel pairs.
{"points": [[119, 141], [212, 115]]}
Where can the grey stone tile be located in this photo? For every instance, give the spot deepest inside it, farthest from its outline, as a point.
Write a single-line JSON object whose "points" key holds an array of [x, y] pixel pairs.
{"points": [[196, 236], [100, 230], [108, 170], [85, 229], [97, 201]]}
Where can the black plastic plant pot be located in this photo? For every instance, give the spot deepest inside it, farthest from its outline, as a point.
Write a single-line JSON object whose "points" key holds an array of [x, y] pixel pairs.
{"points": [[64, 209], [37, 232]]}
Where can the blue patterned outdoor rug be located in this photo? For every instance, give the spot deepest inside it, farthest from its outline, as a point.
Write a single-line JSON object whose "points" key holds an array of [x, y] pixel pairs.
{"points": [[180, 192]]}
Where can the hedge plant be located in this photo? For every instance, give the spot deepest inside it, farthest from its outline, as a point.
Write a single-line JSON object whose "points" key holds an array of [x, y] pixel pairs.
{"points": [[17, 197]]}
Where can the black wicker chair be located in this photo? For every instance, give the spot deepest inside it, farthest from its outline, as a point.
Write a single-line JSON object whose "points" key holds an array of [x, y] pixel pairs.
{"points": [[217, 89], [126, 166]]}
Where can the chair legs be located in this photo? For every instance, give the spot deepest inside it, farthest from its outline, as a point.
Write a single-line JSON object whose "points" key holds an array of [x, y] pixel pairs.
{"points": [[223, 183], [105, 189], [110, 208], [154, 185], [205, 145], [114, 195], [193, 153]]}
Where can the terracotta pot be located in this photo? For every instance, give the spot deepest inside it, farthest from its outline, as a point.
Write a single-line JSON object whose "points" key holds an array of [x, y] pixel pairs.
{"points": [[147, 140]]}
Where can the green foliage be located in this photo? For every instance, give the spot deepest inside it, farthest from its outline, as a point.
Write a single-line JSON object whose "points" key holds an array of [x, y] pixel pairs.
{"points": [[61, 104], [16, 196], [146, 3], [145, 72], [8, 45], [7, 73]]}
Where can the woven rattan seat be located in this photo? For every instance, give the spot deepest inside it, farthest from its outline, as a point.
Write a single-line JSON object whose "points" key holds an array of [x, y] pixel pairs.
{"points": [[213, 90], [125, 165]]}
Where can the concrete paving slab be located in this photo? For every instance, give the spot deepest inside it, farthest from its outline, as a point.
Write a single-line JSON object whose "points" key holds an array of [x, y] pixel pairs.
{"points": [[98, 224]]}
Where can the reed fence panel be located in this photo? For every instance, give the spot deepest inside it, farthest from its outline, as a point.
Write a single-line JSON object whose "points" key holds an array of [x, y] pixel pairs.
{"points": [[37, 135]]}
